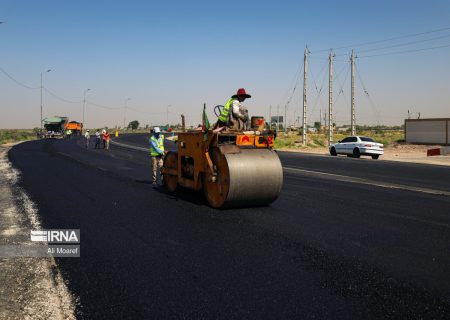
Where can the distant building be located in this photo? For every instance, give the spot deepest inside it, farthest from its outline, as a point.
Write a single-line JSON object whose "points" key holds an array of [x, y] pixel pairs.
{"points": [[427, 131]]}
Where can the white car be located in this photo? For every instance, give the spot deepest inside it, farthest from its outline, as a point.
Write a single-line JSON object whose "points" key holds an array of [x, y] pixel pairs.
{"points": [[357, 146]]}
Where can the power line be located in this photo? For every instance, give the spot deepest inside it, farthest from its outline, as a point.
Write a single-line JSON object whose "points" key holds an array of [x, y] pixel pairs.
{"points": [[102, 106], [404, 51], [384, 40], [145, 112], [293, 82], [319, 91], [59, 98], [405, 44], [372, 104], [17, 81], [341, 90]]}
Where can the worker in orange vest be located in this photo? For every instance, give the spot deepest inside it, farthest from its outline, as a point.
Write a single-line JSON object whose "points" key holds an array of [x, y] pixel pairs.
{"points": [[106, 138]]}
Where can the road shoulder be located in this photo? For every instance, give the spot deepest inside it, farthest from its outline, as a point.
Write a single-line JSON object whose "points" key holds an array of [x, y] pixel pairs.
{"points": [[32, 288]]}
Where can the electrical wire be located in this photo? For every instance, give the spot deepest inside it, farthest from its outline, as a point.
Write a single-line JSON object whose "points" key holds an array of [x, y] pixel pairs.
{"points": [[17, 81], [404, 44], [145, 112], [404, 51], [59, 98], [102, 106], [384, 40], [372, 104], [293, 82]]}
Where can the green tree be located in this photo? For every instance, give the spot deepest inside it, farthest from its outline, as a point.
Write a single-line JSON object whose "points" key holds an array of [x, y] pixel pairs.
{"points": [[133, 125]]}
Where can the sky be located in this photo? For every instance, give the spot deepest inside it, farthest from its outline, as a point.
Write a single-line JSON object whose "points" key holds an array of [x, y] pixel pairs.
{"points": [[162, 59]]}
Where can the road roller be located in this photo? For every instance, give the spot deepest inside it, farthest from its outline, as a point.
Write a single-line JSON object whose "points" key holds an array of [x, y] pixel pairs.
{"points": [[235, 168]]}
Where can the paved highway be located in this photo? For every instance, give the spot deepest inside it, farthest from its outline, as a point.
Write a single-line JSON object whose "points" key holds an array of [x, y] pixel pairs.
{"points": [[346, 239]]}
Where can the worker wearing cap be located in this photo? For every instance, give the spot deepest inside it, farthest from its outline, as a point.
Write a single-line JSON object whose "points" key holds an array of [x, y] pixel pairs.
{"points": [[157, 153], [239, 113]]}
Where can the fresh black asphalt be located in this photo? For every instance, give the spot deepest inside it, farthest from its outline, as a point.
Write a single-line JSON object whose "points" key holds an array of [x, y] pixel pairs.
{"points": [[325, 249]]}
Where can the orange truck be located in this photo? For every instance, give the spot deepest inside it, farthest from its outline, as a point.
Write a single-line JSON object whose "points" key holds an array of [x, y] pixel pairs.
{"points": [[76, 127]]}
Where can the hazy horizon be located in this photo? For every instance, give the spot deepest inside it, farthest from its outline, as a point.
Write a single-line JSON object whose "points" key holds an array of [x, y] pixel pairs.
{"points": [[159, 57]]}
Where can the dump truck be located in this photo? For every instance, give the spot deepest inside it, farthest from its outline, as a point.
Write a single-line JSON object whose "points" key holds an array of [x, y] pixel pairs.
{"points": [[55, 127], [75, 126], [233, 167]]}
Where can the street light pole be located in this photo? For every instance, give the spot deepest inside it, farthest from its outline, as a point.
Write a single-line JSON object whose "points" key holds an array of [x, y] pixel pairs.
{"points": [[167, 115], [125, 113], [84, 106], [41, 95]]}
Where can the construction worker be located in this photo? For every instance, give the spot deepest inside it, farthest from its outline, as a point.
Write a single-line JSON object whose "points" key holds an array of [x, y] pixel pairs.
{"points": [[234, 114], [88, 137], [103, 138], [156, 153], [98, 138], [68, 133], [106, 138]]}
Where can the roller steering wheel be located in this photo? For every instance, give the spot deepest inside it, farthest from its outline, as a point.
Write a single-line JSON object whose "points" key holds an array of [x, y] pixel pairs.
{"points": [[218, 110]]}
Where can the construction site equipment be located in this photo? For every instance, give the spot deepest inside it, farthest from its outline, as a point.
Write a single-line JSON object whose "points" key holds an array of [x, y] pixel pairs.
{"points": [[54, 127], [234, 168], [76, 127]]}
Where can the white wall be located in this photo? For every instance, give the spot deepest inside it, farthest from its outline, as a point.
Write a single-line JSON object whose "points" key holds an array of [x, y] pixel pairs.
{"points": [[426, 131]]}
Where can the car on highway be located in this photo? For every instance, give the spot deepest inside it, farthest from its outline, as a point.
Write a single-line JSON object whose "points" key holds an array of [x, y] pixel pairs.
{"points": [[356, 146]]}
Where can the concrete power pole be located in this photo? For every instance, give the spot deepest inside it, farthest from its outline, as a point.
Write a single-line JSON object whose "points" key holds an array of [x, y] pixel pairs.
{"points": [[270, 117], [305, 78], [278, 117], [330, 100], [353, 122]]}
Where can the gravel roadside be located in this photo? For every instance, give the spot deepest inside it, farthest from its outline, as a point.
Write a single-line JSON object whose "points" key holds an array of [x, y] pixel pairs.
{"points": [[31, 288]]}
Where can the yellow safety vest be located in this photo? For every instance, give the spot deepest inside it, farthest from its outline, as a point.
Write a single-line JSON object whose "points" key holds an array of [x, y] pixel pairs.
{"points": [[159, 144], [226, 110]]}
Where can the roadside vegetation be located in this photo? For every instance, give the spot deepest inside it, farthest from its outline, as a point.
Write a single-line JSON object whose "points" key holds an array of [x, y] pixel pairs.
{"points": [[16, 135]]}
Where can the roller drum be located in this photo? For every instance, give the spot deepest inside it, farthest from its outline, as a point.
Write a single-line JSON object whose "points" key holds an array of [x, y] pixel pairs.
{"points": [[251, 177]]}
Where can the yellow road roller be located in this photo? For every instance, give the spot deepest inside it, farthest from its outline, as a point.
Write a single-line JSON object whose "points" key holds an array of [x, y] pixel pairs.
{"points": [[234, 168]]}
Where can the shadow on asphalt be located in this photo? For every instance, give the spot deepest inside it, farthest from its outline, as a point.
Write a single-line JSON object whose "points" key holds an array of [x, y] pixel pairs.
{"points": [[184, 194]]}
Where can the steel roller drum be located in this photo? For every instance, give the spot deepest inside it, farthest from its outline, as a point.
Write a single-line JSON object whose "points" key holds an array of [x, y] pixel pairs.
{"points": [[250, 177]]}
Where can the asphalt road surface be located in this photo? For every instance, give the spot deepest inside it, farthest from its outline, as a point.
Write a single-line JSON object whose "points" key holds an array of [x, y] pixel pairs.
{"points": [[346, 239]]}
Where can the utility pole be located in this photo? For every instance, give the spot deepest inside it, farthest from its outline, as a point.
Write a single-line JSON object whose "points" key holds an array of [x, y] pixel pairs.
{"points": [[353, 122], [305, 78], [270, 117], [167, 115], [278, 117], [84, 107], [330, 100], [320, 119], [48, 70], [285, 120], [125, 112]]}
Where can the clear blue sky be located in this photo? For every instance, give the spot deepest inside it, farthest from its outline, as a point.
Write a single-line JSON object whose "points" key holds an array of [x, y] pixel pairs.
{"points": [[185, 53]]}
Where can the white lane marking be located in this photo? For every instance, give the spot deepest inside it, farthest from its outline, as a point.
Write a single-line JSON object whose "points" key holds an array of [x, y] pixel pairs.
{"points": [[332, 176], [130, 146], [338, 177]]}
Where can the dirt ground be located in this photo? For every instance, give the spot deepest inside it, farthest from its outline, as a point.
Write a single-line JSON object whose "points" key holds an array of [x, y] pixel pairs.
{"points": [[396, 152]]}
